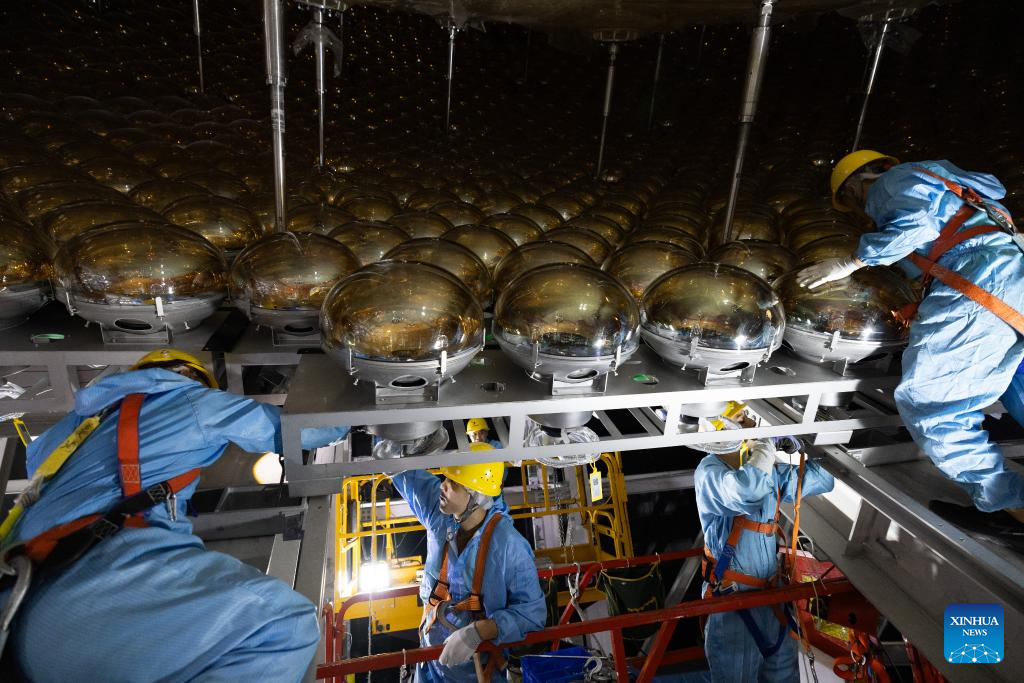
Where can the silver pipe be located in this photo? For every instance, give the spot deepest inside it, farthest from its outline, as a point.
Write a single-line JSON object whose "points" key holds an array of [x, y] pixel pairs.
{"points": [[451, 72], [273, 34], [613, 50], [318, 17], [199, 43], [875, 61], [759, 42], [654, 87]]}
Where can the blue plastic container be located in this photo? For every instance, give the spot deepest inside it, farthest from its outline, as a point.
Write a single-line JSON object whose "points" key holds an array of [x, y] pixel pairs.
{"points": [[562, 666]]}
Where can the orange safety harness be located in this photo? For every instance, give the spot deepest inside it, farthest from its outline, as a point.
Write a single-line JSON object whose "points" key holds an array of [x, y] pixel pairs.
{"points": [[473, 604], [68, 542], [949, 237]]}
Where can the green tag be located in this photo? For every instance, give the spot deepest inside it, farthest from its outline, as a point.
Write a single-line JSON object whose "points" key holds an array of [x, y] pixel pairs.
{"points": [[596, 489]]}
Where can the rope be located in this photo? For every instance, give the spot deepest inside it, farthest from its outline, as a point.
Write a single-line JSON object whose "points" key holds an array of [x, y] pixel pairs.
{"points": [[796, 515]]}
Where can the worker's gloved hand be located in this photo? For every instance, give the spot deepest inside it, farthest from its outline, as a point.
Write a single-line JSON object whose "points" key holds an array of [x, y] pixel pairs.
{"points": [[460, 646], [828, 270], [761, 454], [789, 444]]}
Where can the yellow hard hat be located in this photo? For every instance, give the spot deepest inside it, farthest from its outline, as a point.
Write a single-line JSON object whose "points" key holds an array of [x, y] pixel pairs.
{"points": [[476, 424], [484, 477], [849, 165], [170, 357]]}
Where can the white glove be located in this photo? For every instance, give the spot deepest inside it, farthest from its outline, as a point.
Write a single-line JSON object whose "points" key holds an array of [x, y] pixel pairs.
{"points": [[761, 454], [460, 646], [828, 270]]}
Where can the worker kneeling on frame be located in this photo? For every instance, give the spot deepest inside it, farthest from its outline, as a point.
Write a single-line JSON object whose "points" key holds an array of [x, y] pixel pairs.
{"points": [[738, 502], [121, 590], [480, 581]]}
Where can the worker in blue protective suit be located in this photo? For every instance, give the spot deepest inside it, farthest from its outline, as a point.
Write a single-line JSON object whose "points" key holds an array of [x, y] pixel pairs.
{"points": [[738, 503], [148, 602], [967, 339], [478, 432], [463, 530]]}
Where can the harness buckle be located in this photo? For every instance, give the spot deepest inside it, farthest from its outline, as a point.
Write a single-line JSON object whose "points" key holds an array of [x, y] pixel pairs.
{"points": [[103, 528], [172, 506]]}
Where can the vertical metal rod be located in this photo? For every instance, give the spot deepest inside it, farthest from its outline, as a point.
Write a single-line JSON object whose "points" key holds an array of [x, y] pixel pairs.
{"points": [[199, 43], [318, 17], [875, 61], [273, 35], [526, 64], [654, 87], [451, 72], [751, 92], [700, 46], [613, 50]]}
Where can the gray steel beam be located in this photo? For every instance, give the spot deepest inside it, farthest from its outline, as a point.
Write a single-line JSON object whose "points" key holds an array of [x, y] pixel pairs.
{"points": [[273, 34], [196, 28]]}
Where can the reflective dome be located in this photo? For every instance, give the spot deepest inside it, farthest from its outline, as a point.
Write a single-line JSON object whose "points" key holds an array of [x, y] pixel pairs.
{"points": [[609, 230], [227, 224], [566, 320], [533, 255], [752, 222], [545, 217], [451, 257], [490, 245], [590, 243], [864, 309], [421, 223], [282, 279], [371, 208], [565, 205], [401, 313], [160, 193], [836, 246], [638, 265], [133, 263], [458, 213], [798, 238], [140, 278], [368, 240], [767, 260], [117, 172], [733, 316], [622, 218], [317, 218], [38, 200], [22, 257], [18, 178], [667, 234], [73, 219], [219, 183], [517, 228]]}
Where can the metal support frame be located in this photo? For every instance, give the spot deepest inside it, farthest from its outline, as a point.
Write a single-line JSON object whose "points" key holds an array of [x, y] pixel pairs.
{"points": [[876, 526], [613, 51], [876, 59], [52, 371], [654, 86], [322, 396], [452, 30], [759, 42], [321, 89], [273, 34], [668, 618], [196, 28]]}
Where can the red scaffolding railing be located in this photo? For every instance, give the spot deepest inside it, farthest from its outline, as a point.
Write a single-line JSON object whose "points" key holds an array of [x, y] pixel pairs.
{"points": [[335, 669]]}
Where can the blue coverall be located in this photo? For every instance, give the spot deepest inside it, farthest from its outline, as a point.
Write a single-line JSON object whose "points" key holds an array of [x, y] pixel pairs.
{"points": [[511, 592], [151, 604], [722, 494], [960, 357]]}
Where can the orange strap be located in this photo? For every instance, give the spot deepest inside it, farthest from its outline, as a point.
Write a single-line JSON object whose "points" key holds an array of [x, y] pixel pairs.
{"points": [[128, 451], [129, 472], [741, 523], [1000, 308], [474, 602]]}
